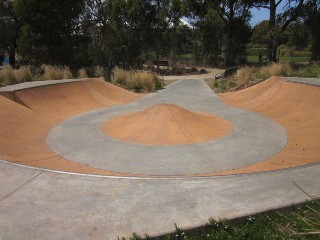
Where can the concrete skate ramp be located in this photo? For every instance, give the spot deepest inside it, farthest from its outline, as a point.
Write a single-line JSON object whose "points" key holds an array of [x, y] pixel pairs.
{"points": [[65, 100], [28, 114], [166, 124], [23, 129], [296, 108]]}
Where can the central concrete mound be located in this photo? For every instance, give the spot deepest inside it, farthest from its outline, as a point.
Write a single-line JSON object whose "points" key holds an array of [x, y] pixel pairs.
{"points": [[166, 124]]}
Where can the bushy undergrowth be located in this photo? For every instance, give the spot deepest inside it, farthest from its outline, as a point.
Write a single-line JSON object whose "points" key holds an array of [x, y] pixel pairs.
{"points": [[175, 70], [311, 70], [138, 81], [99, 71], [82, 73], [245, 76], [11, 76], [248, 76], [301, 223], [7, 76], [56, 73], [274, 69]]}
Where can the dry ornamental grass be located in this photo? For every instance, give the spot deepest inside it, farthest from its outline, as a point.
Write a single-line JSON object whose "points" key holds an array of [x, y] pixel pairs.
{"points": [[137, 80], [82, 73]]}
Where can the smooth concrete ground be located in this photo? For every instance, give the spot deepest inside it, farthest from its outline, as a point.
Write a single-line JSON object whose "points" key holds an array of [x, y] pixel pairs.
{"points": [[39, 204]]}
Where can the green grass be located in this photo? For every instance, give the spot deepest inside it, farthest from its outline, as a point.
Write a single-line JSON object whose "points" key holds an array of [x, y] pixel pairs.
{"points": [[303, 222], [286, 55]]}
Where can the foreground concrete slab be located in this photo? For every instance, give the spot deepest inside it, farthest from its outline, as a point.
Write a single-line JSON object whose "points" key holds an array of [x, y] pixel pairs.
{"points": [[64, 206]]}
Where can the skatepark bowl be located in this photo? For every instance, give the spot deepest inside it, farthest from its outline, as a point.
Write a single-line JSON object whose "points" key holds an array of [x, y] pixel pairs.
{"points": [[88, 128], [58, 125]]}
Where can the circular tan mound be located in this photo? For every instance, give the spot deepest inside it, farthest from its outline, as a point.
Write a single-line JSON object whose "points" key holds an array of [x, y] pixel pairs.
{"points": [[166, 124]]}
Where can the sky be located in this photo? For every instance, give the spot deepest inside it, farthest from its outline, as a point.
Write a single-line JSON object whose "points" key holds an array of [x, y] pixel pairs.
{"points": [[263, 14], [257, 15]]}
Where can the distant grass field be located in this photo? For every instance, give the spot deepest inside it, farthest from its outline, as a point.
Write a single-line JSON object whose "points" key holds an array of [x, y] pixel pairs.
{"points": [[286, 55]]}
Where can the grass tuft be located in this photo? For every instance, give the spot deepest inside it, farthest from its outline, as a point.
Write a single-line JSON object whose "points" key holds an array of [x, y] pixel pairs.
{"points": [[23, 74], [82, 73], [67, 74], [120, 76], [99, 71], [138, 81], [52, 73], [8, 76], [245, 76], [275, 69]]}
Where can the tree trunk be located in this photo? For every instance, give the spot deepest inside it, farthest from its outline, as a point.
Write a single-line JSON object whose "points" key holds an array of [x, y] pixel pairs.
{"points": [[230, 58], [271, 47], [12, 55]]}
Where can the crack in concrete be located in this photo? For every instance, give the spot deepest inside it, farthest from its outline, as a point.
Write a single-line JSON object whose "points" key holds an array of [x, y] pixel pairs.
{"points": [[8, 195], [305, 192]]}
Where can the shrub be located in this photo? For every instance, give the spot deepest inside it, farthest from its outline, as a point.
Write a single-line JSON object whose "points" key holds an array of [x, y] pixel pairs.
{"points": [[120, 76], [7, 75], [99, 71], [82, 73], [177, 70], [275, 69], [23, 74], [67, 74], [138, 81], [135, 82], [52, 72], [311, 70], [245, 75], [203, 71]]}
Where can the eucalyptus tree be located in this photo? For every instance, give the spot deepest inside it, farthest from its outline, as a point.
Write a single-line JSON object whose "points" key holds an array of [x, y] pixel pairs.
{"points": [[235, 16], [50, 30], [9, 29], [312, 21], [278, 23]]}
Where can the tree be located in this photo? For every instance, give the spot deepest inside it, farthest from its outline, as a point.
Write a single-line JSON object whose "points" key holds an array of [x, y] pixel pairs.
{"points": [[313, 19], [277, 24], [211, 29], [298, 34], [260, 33], [50, 30], [9, 29], [234, 14]]}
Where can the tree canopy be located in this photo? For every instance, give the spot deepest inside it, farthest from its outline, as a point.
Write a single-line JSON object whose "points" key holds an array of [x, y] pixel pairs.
{"points": [[129, 32]]}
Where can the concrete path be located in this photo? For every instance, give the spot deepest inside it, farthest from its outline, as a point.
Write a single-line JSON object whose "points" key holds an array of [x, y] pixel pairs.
{"points": [[39, 204]]}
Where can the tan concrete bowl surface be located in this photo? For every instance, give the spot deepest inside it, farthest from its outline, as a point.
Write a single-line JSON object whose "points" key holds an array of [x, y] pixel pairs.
{"points": [[27, 115], [166, 124]]}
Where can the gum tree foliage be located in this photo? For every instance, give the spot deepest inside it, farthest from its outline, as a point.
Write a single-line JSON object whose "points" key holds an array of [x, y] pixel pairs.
{"points": [[298, 34], [278, 23], [119, 30], [211, 29], [9, 30], [124, 32], [260, 33], [235, 16], [312, 21], [50, 31]]}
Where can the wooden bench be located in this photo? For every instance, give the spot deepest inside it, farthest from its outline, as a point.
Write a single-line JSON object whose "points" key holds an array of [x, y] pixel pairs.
{"points": [[162, 63], [227, 73]]}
